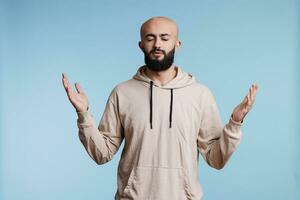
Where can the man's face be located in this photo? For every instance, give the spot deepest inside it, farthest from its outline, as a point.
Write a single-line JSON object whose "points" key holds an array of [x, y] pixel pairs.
{"points": [[157, 64], [159, 43]]}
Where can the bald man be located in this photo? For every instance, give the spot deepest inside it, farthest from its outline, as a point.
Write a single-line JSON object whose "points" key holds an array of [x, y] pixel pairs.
{"points": [[166, 118]]}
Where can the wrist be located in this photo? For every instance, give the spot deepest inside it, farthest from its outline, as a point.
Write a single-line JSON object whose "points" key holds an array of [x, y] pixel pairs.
{"points": [[85, 110], [236, 120]]}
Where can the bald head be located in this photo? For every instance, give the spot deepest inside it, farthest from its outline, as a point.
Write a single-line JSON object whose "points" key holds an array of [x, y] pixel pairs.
{"points": [[159, 23], [159, 42]]}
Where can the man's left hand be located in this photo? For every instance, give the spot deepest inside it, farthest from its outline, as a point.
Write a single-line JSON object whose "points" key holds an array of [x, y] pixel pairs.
{"points": [[243, 108]]}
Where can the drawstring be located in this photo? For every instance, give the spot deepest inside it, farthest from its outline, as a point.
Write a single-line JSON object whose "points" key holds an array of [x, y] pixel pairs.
{"points": [[151, 105], [151, 82], [171, 107]]}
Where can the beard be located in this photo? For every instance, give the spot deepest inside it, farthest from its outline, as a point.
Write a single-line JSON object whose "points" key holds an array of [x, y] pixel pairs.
{"points": [[159, 65]]}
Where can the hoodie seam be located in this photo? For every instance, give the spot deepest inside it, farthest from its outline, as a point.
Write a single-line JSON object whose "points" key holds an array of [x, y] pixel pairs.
{"points": [[118, 112]]}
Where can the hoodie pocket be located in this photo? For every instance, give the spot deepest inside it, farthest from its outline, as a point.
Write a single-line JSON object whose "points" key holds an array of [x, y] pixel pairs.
{"points": [[155, 183]]}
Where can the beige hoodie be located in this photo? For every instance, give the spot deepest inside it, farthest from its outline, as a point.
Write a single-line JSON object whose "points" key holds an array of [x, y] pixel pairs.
{"points": [[164, 129]]}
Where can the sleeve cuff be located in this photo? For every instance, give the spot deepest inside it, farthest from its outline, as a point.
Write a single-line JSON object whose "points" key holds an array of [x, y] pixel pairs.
{"points": [[85, 119], [235, 122], [233, 129]]}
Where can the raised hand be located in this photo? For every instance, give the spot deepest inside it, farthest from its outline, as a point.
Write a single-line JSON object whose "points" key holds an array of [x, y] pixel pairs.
{"points": [[243, 108], [78, 99]]}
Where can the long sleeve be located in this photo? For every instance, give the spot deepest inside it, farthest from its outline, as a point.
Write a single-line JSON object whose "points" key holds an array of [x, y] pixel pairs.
{"points": [[215, 142], [103, 142]]}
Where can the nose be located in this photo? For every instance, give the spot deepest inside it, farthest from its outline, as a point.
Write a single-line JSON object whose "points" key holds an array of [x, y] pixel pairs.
{"points": [[157, 43]]}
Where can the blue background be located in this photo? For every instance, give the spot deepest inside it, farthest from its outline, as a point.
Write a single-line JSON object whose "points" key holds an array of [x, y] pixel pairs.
{"points": [[227, 45]]}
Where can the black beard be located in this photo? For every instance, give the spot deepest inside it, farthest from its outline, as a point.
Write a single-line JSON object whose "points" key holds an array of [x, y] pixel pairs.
{"points": [[159, 65]]}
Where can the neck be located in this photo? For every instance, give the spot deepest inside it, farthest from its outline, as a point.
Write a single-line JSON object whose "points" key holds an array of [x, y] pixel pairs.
{"points": [[163, 77]]}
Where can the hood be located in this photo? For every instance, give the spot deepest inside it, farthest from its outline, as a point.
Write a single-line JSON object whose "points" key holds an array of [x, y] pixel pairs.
{"points": [[182, 79]]}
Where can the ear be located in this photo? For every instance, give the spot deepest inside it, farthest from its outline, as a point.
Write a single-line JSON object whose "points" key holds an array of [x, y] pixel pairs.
{"points": [[177, 44], [141, 45]]}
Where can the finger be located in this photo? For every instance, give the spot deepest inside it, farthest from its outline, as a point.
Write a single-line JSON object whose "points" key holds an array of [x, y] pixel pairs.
{"points": [[255, 87], [78, 88], [64, 75], [248, 100], [65, 80], [251, 93], [65, 83], [68, 86], [69, 90], [254, 90], [245, 99]]}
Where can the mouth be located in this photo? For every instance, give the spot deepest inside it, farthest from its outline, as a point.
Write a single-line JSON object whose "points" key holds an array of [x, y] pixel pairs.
{"points": [[157, 53]]}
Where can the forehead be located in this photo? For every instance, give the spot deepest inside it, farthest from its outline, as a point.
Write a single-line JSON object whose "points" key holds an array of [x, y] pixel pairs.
{"points": [[159, 27]]}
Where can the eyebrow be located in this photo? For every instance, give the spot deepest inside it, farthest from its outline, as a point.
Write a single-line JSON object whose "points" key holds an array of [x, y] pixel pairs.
{"points": [[161, 35]]}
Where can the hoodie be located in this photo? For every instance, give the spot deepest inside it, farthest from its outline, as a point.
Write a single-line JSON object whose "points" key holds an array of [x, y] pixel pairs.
{"points": [[165, 129]]}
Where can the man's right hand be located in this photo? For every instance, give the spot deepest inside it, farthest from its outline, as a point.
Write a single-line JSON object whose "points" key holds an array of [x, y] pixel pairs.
{"points": [[78, 99]]}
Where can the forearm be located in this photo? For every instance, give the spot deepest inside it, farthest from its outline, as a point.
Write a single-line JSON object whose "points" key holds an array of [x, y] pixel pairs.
{"points": [[95, 143], [221, 149]]}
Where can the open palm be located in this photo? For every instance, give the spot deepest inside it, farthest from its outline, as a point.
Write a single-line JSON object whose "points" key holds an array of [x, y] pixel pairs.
{"points": [[245, 106], [78, 99]]}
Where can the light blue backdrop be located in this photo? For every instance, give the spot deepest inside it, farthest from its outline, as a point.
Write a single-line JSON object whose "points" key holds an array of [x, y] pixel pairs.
{"points": [[227, 45]]}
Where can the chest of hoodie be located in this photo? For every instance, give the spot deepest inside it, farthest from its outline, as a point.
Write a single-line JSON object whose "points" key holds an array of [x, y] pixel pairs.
{"points": [[155, 145]]}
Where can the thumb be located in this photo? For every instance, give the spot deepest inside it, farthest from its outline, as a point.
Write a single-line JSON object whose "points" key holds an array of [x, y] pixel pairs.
{"points": [[78, 88], [245, 99]]}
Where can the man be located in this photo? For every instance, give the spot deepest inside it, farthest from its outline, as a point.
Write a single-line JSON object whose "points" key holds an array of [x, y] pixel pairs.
{"points": [[166, 119]]}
